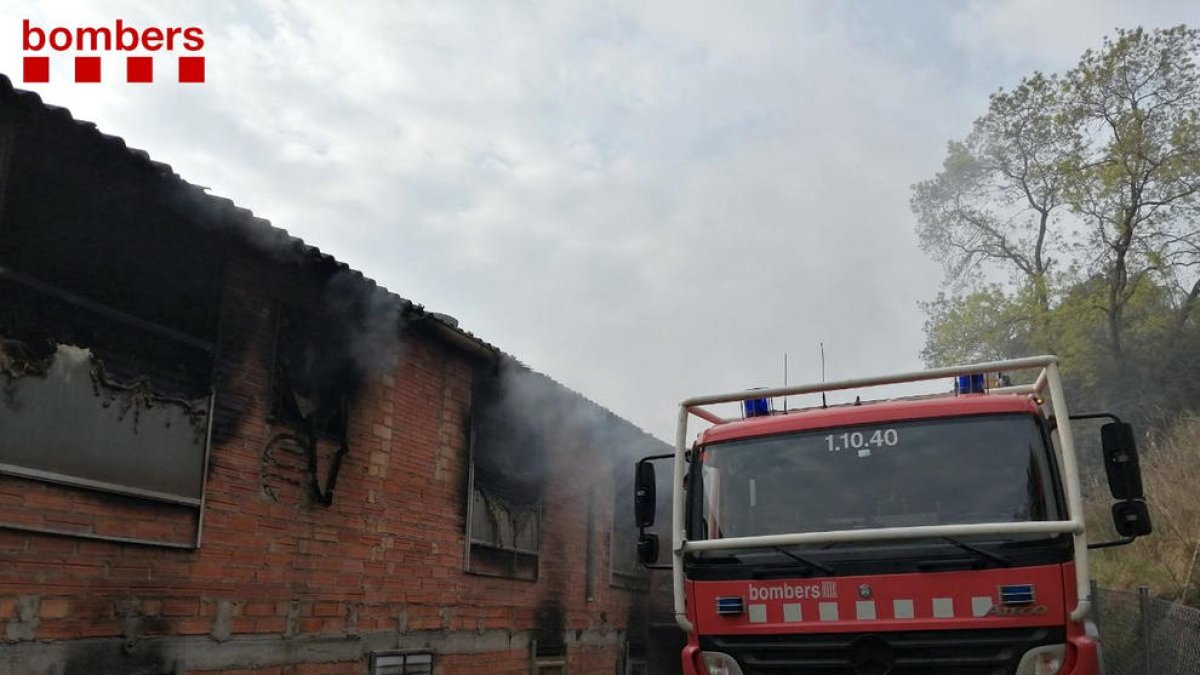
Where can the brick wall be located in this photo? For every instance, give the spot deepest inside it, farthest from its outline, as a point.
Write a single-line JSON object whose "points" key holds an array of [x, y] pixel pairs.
{"points": [[284, 585]]}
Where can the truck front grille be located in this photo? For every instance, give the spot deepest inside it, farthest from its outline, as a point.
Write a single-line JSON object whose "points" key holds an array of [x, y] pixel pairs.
{"points": [[939, 652]]}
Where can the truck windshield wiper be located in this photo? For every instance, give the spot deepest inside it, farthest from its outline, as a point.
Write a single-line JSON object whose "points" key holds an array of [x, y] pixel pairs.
{"points": [[811, 563], [717, 558], [995, 557]]}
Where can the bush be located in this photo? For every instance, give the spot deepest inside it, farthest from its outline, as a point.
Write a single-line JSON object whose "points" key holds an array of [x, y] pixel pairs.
{"points": [[1168, 560]]}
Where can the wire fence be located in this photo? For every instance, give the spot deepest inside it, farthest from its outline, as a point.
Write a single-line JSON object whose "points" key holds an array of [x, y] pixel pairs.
{"points": [[1142, 635]]}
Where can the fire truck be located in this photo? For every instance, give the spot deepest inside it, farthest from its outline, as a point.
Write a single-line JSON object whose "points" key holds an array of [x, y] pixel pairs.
{"points": [[931, 535]]}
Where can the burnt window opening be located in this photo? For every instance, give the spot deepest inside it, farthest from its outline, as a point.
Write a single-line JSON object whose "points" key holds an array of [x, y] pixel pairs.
{"points": [[324, 354], [548, 646], [139, 405], [138, 396], [506, 476], [133, 430], [310, 381], [311, 387], [503, 533], [109, 304]]}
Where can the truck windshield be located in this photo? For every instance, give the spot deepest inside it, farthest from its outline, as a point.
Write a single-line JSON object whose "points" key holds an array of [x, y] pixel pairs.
{"points": [[980, 469]]}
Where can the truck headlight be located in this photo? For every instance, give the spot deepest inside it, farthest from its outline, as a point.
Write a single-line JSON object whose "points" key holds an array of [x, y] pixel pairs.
{"points": [[719, 663], [1045, 660]]}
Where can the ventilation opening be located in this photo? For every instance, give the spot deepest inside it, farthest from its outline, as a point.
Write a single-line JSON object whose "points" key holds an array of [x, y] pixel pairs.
{"points": [[547, 658], [634, 661], [401, 663]]}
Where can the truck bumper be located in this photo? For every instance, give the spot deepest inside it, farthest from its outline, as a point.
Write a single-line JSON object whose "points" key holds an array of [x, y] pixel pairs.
{"points": [[1083, 659], [691, 657]]}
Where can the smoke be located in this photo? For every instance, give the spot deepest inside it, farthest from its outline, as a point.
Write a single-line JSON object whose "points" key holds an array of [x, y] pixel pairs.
{"points": [[146, 242], [520, 417], [358, 322], [327, 350], [373, 319], [350, 331], [222, 217], [523, 425], [168, 242], [509, 423]]}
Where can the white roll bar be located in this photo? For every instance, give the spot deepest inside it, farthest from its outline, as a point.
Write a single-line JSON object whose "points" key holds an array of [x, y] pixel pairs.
{"points": [[1047, 377]]}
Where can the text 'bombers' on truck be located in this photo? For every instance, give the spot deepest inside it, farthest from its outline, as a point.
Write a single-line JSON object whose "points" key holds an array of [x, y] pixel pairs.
{"points": [[937, 535]]}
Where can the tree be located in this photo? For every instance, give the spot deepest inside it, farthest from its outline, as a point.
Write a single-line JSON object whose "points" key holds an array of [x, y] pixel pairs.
{"points": [[986, 324], [994, 202], [1135, 180], [1080, 195]]}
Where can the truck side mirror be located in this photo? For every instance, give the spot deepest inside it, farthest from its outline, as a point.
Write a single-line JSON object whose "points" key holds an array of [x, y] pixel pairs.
{"points": [[1132, 519], [647, 548], [1121, 461], [644, 496]]}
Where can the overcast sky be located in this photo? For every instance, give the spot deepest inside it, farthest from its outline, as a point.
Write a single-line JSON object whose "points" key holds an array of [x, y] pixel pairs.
{"points": [[644, 200]]}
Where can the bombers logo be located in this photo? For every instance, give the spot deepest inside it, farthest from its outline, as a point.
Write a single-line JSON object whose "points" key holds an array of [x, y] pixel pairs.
{"points": [[825, 589], [88, 43]]}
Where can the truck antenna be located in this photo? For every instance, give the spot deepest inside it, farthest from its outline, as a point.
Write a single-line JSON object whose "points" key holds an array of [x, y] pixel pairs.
{"points": [[824, 403], [785, 408]]}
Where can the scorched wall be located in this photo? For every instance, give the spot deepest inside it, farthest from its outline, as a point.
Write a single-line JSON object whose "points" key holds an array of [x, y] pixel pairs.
{"points": [[262, 561]]}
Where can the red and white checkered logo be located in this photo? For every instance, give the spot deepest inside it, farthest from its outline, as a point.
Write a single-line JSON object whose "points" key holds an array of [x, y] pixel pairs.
{"points": [[97, 52]]}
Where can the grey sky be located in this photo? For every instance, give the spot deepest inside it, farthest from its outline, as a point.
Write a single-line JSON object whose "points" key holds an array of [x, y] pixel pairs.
{"points": [[644, 202]]}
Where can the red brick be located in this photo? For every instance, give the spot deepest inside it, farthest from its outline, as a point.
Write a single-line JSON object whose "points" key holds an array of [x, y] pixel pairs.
{"points": [[58, 630], [270, 625], [180, 607], [196, 626], [259, 609], [54, 608], [327, 609]]}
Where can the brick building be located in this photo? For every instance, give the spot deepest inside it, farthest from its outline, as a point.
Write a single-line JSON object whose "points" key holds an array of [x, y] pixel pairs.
{"points": [[222, 451]]}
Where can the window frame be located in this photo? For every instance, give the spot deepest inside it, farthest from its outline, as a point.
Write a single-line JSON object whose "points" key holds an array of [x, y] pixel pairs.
{"points": [[375, 668], [73, 481], [470, 544]]}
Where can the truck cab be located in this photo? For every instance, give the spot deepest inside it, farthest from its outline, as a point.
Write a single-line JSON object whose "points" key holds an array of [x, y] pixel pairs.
{"points": [[939, 535]]}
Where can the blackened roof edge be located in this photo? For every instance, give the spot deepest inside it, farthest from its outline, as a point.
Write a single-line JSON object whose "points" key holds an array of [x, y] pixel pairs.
{"points": [[262, 228]]}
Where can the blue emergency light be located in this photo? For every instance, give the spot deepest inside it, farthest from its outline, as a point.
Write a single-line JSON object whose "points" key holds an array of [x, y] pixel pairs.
{"points": [[731, 606], [1017, 594], [756, 407], [975, 383]]}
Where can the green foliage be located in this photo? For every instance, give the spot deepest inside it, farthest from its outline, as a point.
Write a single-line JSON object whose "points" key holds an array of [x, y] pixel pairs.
{"points": [[1135, 179], [986, 324], [1083, 190], [1157, 382]]}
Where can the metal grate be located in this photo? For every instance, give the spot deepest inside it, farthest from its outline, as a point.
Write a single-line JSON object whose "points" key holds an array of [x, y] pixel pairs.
{"points": [[547, 658], [634, 658], [401, 663], [941, 652]]}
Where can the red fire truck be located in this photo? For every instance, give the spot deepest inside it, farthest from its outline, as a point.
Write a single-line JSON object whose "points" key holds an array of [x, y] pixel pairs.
{"points": [[937, 535]]}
